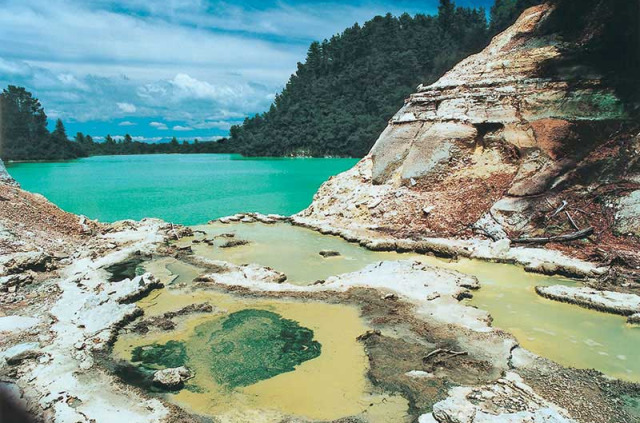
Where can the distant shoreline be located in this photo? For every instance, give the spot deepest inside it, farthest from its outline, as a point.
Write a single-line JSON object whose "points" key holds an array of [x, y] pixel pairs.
{"points": [[12, 162]]}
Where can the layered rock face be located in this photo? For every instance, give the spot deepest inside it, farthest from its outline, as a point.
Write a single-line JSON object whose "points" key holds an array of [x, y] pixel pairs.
{"points": [[520, 140]]}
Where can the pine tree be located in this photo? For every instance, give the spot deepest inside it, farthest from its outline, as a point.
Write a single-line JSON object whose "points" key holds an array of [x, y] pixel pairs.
{"points": [[23, 131]]}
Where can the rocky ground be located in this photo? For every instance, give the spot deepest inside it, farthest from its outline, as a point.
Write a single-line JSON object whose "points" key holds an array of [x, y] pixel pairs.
{"points": [[58, 308]]}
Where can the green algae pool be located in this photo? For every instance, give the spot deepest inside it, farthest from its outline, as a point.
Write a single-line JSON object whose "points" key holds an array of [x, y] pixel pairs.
{"points": [[260, 360], [181, 188], [243, 348]]}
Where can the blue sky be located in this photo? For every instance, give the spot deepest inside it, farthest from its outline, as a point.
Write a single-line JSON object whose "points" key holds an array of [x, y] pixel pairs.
{"points": [[155, 69]]}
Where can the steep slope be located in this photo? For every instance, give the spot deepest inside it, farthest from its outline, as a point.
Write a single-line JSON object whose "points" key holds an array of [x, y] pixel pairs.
{"points": [[30, 224], [532, 137]]}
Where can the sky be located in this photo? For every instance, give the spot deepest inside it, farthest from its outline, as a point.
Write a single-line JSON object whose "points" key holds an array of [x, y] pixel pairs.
{"points": [[162, 68]]}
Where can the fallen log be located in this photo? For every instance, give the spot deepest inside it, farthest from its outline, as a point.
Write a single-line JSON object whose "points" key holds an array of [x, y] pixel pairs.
{"points": [[558, 238]]}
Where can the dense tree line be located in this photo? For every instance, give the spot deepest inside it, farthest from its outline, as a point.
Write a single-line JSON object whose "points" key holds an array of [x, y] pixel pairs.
{"points": [[24, 135], [127, 145], [340, 99]]}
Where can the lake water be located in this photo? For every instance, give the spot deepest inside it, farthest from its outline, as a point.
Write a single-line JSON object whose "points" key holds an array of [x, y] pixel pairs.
{"points": [[187, 188]]}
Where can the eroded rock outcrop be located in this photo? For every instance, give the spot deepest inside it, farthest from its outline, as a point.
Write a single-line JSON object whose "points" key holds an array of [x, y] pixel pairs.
{"points": [[5, 178], [528, 138]]}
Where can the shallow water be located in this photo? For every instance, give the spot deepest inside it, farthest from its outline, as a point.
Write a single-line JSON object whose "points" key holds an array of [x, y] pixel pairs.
{"points": [[189, 189], [327, 387], [568, 334], [289, 249], [333, 384]]}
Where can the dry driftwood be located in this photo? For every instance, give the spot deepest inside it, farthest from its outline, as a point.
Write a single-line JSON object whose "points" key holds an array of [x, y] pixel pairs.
{"points": [[558, 238], [449, 353]]}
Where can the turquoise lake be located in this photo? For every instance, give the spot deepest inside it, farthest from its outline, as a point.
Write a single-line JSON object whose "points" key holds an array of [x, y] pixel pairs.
{"points": [[181, 188]]}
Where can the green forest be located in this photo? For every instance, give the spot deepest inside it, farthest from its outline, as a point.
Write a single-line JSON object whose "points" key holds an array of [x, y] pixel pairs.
{"points": [[24, 135], [336, 103], [341, 98]]}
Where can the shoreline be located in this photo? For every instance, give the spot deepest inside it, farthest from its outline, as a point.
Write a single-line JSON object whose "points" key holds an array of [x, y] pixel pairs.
{"points": [[11, 162]]}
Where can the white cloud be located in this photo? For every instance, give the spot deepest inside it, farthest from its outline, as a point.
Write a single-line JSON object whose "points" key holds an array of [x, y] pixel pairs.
{"points": [[71, 81], [189, 87], [159, 125], [193, 63], [10, 67], [182, 128], [220, 124], [127, 107], [127, 123]]}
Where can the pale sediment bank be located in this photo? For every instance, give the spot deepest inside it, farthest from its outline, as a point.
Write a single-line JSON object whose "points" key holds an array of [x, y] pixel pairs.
{"points": [[606, 301]]}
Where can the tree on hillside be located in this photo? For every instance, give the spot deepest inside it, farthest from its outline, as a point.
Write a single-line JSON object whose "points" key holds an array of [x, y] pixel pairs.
{"points": [[341, 98], [23, 130], [59, 146], [175, 145], [58, 140]]}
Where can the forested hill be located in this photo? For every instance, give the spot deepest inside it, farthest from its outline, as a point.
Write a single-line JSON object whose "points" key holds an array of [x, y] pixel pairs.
{"points": [[340, 99]]}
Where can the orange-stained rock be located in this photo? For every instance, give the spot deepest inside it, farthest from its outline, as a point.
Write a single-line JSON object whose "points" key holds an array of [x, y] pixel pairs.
{"points": [[497, 145]]}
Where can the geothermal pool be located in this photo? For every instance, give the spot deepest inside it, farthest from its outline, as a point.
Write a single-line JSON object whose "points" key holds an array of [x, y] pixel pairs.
{"points": [[326, 378]]}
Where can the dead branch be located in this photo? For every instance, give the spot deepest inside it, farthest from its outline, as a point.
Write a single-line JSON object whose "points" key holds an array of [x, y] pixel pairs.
{"points": [[573, 223], [559, 238], [438, 351], [559, 209]]}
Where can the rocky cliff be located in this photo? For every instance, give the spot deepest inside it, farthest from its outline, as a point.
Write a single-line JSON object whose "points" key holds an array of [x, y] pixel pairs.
{"points": [[530, 138]]}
